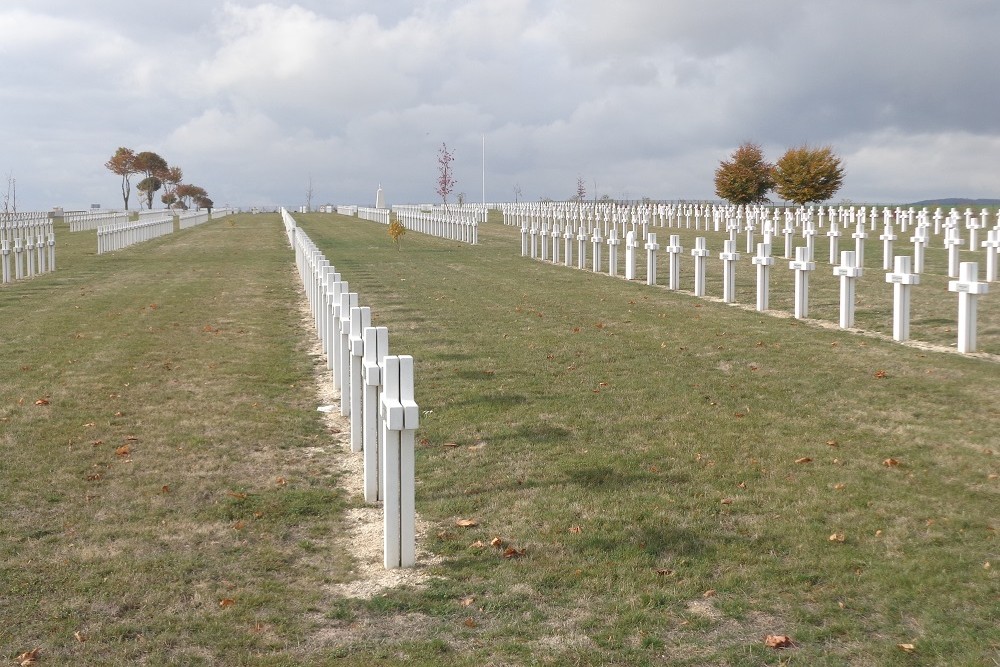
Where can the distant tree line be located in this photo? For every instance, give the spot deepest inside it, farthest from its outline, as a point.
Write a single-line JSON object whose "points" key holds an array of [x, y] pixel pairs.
{"points": [[802, 175], [157, 175]]}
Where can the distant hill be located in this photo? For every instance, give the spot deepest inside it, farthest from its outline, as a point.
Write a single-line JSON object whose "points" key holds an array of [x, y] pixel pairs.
{"points": [[957, 201]]}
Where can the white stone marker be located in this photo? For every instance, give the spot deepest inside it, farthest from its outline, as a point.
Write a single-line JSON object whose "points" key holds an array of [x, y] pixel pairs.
{"points": [[651, 247], [361, 319], [630, 245], [802, 266], [674, 251], [30, 245], [834, 236], [699, 252], [902, 280], [534, 237], [969, 289], [887, 237], [556, 242], [581, 249], [859, 236], [5, 259], [524, 241], [376, 350], [400, 416], [598, 244], [849, 273], [348, 300], [568, 245], [919, 241], [729, 257], [992, 247], [545, 241], [763, 260], [809, 233], [340, 288], [787, 233], [749, 229], [954, 244], [613, 242]]}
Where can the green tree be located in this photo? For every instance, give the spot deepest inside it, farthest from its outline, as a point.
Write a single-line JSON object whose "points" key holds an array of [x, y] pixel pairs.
{"points": [[745, 178], [805, 175], [152, 166], [123, 164]]}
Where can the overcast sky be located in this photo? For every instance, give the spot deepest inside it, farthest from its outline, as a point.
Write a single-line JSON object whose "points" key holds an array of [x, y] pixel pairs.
{"points": [[640, 98]]}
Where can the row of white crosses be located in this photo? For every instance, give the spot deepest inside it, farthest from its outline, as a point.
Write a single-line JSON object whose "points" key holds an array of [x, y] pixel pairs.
{"points": [[88, 220], [545, 244], [380, 215], [193, 219], [456, 226], [122, 235], [347, 210], [27, 245], [376, 394]]}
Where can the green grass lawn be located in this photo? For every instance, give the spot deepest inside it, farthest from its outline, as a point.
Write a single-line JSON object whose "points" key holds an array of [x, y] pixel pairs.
{"points": [[683, 477]]}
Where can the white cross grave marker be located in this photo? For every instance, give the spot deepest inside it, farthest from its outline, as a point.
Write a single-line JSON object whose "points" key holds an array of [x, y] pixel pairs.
{"points": [[400, 416], [630, 245], [849, 273], [729, 257], [802, 265], [651, 247], [969, 289], [763, 260], [902, 280], [699, 252], [376, 350], [674, 251]]}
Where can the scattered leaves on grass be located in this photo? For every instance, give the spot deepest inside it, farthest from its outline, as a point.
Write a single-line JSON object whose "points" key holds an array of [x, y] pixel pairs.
{"points": [[79, 636], [710, 593], [469, 623], [836, 537], [907, 648], [97, 443], [778, 641], [831, 443], [466, 523], [238, 496], [165, 488], [496, 543], [94, 477], [478, 544], [238, 525], [664, 572], [726, 501], [576, 529], [42, 401], [476, 447], [28, 657], [281, 481], [840, 486], [226, 602], [468, 601], [123, 451], [804, 459], [890, 462], [881, 374]]}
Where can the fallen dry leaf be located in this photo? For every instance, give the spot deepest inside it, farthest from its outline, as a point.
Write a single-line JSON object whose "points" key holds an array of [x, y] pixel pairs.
{"points": [[890, 462], [496, 542], [831, 443], [576, 529], [840, 487], [281, 481], [238, 525], [165, 489], [836, 537], [710, 593], [124, 450], [469, 623], [42, 401], [478, 544], [238, 496], [28, 657], [466, 523], [880, 374], [467, 602], [908, 648], [727, 501], [79, 636], [804, 459], [664, 572], [511, 552], [778, 641], [226, 602]]}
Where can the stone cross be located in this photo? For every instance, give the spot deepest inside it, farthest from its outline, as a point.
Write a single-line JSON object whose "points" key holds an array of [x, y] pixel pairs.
{"points": [[849, 273], [919, 241], [568, 245], [544, 234], [651, 247], [972, 224], [787, 232], [969, 290], [5, 258], [954, 244], [581, 249], [729, 257], [902, 280], [887, 237], [834, 236], [361, 319], [802, 265], [937, 222], [597, 242], [524, 242], [859, 237], [340, 288], [699, 252], [348, 301], [400, 415], [809, 233], [631, 243], [749, 229], [992, 246], [763, 260], [30, 246], [674, 251], [556, 237], [613, 243], [376, 343]]}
